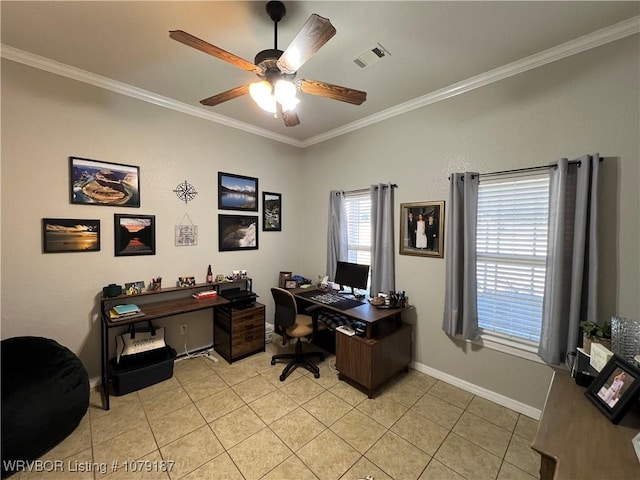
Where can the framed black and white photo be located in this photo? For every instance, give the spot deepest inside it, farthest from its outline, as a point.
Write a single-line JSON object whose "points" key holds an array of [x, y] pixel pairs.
{"points": [[615, 389], [422, 229], [271, 212], [237, 232], [94, 182], [61, 235], [134, 235], [237, 192]]}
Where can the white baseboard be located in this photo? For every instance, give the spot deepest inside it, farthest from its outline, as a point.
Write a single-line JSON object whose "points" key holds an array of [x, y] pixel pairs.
{"points": [[507, 402]]}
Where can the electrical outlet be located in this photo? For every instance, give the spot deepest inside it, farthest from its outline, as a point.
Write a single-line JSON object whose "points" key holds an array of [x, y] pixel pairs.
{"points": [[183, 329]]}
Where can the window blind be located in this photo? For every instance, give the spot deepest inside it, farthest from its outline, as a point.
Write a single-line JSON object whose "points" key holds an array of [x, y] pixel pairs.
{"points": [[358, 210], [511, 254]]}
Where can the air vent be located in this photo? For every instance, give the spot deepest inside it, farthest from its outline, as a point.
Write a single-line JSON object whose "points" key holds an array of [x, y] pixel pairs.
{"points": [[371, 56]]}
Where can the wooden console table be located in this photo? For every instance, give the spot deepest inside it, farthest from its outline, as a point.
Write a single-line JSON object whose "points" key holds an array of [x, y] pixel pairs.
{"points": [[162, 303], [370, 361], [577, 442]]}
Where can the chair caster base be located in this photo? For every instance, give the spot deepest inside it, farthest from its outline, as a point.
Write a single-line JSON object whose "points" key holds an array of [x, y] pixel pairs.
{"points": [[316, 375], [273, 362], [282, 378]]}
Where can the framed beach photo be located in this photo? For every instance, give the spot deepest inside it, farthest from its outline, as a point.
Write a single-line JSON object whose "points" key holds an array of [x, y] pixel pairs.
{"points": [[271, 212], [94, 182], [134, 235], [237, 192], [422, 229], [237, 232], [61, 235], [615, 389]]}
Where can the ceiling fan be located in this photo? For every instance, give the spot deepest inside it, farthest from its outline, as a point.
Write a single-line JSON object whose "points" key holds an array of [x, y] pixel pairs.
{"points": [[277, 88]]}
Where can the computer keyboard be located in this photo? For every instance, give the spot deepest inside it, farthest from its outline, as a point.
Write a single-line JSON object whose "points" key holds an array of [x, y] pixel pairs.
{"points": [[336, 301]]}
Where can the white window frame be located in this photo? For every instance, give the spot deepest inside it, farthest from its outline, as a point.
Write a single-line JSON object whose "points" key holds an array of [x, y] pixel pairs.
{"points": [[358, 205], [512, 255]]}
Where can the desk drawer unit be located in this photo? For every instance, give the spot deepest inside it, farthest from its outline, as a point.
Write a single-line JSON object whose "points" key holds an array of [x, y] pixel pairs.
{"points": [[371, 362], [239, 332]]}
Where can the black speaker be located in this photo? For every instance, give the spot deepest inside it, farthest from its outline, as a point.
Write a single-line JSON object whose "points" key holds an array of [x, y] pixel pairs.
{"points": [[582, 370]]}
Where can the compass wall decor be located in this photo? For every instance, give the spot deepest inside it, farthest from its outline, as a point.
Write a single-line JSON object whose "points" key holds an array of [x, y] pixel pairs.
{"points": [[185, 192]]}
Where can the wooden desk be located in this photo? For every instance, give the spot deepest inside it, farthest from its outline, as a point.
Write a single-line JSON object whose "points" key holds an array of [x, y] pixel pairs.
{"points": [[370, 361], [577, 442], [162, 303]]}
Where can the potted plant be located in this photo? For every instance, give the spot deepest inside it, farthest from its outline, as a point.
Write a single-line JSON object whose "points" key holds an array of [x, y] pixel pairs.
{"points": [[595, 333]]}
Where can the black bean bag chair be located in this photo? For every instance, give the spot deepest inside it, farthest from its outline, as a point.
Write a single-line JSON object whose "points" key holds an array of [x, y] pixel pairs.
{"points": [[45, 394]]}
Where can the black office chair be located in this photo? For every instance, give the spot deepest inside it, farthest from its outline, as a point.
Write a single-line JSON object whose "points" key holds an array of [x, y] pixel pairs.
{"points": [[294, 325]]}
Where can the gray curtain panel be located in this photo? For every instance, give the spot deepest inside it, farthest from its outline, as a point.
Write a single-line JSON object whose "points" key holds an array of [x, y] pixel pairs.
{"points": [[336, 232], [383, 269], [571, 281], [460, 303]]}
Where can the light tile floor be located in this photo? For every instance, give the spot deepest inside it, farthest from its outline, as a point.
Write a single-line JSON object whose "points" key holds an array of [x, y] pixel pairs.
{"points": [[220, 421]]}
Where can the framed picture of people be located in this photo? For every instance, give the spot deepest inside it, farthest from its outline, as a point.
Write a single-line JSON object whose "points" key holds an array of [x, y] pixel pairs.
{"points": [[615, 389], [422, 229]]}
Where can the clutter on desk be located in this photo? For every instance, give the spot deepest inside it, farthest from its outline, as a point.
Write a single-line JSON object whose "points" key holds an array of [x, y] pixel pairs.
{"points": [[301, 280], [394, 299]]}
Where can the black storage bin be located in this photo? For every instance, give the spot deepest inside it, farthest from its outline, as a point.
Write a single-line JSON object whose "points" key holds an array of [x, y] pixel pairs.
{"points": [[142, 370]]}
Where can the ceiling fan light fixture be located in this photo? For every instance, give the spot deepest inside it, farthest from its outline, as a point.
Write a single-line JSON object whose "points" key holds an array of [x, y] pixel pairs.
{"points": [[266, 96], [285, 94], [261, 92]]}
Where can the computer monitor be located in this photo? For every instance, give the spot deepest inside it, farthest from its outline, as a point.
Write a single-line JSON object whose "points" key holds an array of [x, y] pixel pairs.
{"points": [[351, 275]]}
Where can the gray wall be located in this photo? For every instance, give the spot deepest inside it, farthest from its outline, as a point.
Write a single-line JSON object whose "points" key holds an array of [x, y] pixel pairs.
{"points": [[584, 104]]}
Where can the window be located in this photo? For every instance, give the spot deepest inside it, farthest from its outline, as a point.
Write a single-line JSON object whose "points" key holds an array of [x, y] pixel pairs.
{"points": [[358, 209], [511, 257]]}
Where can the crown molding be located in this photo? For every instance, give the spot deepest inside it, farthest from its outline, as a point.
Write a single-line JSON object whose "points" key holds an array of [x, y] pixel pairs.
{"points": [[51, 66], [595, 39], [592, 40]]}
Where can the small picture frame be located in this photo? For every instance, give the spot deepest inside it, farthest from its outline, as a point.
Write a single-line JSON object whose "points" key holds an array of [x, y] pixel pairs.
{"points": [[422, 229], [94, 182], [271, 212], [237, 192], [134, 288], [615, 389], [62, 235], [186, 282], [134, 235], [237, 232], [289, 284], [284, 276], [220, 278]]}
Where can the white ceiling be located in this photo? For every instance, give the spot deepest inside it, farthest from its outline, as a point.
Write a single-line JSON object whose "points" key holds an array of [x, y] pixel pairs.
{"points": [[433, 46]]}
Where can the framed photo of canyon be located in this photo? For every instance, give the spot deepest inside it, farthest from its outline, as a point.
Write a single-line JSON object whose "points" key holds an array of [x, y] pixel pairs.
{"points": [[94, 182], [134, 235], [237, 232]]}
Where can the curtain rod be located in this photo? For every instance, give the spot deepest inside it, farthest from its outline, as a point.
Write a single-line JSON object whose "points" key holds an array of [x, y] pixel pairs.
{"points": [[529, 169], [363, 190]]}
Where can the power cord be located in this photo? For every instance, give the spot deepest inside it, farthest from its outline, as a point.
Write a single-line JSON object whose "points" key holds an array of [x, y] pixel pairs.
{"points": [[204, 353]]}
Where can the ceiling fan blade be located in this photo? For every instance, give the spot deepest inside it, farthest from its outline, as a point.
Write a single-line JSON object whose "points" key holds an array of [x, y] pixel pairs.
{"points": [[195, 42], [289, 117], [312, 36], [336, 92], [224, 96]]}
